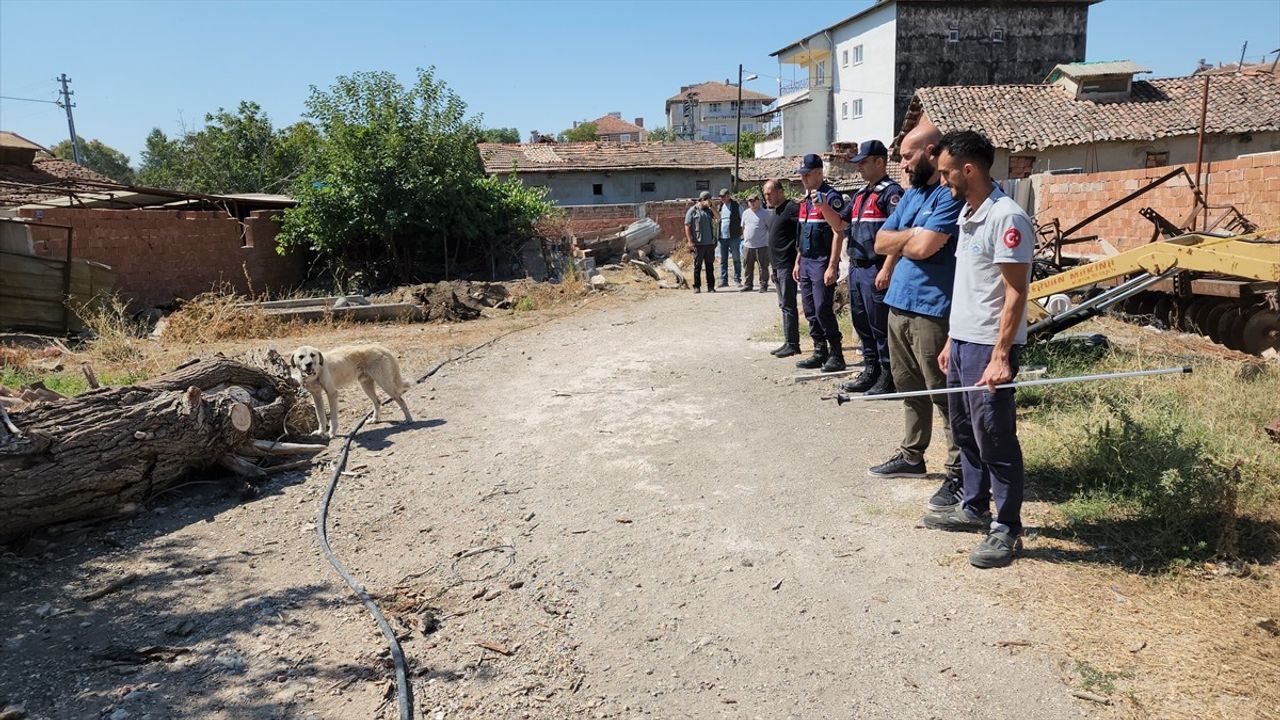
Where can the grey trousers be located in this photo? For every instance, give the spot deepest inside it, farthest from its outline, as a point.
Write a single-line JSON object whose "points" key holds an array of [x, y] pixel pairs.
{"points": [[753, 256], [914, 343]]}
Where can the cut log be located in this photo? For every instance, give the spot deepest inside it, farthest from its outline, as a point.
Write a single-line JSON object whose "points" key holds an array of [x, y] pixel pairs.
{"points": [[93, 455]]}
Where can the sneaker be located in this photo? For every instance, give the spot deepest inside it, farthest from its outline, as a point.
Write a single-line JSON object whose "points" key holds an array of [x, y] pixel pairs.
{"points": [[883, 386], [787, 351], [746, 288], [863, 382], [997, 549], [949, 495], [957, 519], [898, 467], [764, 288], [697, 289], [723, 283]]}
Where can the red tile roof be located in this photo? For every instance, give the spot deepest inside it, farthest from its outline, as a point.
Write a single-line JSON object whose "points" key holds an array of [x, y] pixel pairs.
{"points": [[568, 157], [841, 174], [718, 92], [1019, 117], [610, 125], [52, 172]]}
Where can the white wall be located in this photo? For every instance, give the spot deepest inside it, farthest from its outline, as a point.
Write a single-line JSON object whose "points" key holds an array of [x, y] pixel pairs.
{"points": [[872, 81], [623, 186], [804, 126]]}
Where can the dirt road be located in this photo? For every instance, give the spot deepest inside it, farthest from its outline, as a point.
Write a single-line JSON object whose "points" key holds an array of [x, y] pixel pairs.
{"points": [[636, 504]]}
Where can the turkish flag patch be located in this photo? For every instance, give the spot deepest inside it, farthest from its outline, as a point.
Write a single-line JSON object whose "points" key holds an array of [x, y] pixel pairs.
{"points": [[1012, 238]]}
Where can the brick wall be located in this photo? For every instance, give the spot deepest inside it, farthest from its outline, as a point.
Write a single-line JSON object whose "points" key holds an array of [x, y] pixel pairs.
{"points": [[159, 255], [1250, 183], [669, 214]]}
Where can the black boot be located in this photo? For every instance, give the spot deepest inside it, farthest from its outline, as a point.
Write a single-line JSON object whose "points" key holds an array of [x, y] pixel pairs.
{"points": [[866, 379], [786, 349], [884, 385], [835, 361], [814, 361]]}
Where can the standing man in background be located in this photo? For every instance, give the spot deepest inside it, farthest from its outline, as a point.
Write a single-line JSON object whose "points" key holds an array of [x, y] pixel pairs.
{"points": [[730, 238], [782, 251], [869, 271], [988, 330], [756, 221], [699, 233], [922, 232]]}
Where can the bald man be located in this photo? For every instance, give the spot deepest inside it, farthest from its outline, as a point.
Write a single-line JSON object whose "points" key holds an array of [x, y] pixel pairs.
{"points": [[921, 233]]}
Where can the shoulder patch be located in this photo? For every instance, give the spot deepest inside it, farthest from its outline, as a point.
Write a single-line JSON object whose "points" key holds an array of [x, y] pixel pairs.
{"points": [[836, 202], [1012, 238], [893, 199]]}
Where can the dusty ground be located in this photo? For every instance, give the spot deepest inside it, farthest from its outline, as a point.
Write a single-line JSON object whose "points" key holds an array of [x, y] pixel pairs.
{"points": [[635, 503]]}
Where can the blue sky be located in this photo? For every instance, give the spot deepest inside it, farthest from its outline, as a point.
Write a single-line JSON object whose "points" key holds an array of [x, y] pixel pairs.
{"points": [[532, 65]]}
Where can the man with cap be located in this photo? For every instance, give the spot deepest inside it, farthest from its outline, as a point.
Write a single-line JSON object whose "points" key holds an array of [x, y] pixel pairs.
{"points": [[730, 238], [699, 232], [782, 252], [823, 216], [922, 232], [755, 241], [869, 271]]}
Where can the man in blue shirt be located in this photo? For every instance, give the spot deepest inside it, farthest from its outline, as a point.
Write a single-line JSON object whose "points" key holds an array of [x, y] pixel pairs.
{"points": [[922, 233], [730, 238], [823, 216], [869, 271]]}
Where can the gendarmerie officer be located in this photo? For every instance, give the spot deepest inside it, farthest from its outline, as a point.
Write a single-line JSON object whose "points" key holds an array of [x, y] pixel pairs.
{"points": [[869, 271], [823, 217]]}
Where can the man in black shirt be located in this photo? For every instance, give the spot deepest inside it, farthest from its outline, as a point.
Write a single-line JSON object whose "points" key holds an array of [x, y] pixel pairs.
{"points": [[782, 249]]}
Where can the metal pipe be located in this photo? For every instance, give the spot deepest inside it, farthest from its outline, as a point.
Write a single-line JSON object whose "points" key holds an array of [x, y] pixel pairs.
{"points": [[1204, 113], [1095, 305], [737, 135], [842, 398]]}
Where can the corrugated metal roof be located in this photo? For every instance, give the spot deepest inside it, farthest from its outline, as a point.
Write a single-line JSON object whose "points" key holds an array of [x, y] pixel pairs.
{"points": [[1095, 69], [15, 141]]}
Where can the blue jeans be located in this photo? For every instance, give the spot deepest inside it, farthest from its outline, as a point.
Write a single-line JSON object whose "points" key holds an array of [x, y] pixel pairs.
{"points": [[984, 426], [727, 247]]}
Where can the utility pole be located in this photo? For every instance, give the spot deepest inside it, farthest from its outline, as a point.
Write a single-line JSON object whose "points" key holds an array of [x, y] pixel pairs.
{"points": [[737, 134], [71, 122]]}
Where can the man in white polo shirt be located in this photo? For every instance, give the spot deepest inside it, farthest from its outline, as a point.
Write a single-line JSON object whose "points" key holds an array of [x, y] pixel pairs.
{"points": [[988, 328]]}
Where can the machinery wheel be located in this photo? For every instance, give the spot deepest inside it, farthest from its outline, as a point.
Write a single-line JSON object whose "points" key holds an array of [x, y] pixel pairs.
{"points": [[1163, 311], [1215, 313], [1262, 331], [1194, 315], [1131, 304], [1222, 330], [1235, 334], [1146, 302]]}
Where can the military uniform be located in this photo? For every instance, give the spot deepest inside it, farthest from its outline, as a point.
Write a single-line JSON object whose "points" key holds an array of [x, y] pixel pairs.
{"points": [[814, 243], [871, 207]]}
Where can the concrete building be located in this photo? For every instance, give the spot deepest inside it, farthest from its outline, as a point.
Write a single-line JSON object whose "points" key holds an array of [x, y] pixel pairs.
{"points": [[602, 173], [852, 81], [709, 111], [1097, 117]]}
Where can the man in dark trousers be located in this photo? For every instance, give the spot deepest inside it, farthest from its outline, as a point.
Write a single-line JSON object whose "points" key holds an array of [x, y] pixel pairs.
{"points": [[782, 252], [699, 232], [823, 217], [988, 328], [869, 271]]}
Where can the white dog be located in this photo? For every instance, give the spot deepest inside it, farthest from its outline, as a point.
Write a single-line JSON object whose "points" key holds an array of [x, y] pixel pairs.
{"points": [[339, 367]]}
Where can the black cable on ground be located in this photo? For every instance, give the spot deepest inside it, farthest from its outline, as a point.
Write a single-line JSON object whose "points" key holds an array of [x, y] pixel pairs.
{"points": [[404, 691]]}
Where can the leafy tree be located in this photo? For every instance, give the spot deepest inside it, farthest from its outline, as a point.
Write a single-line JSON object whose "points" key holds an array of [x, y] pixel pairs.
{"points": [[395, 185], [500, 135], [100, 158], [661, 134], [233, 152], [584, 132], [745, 147]]}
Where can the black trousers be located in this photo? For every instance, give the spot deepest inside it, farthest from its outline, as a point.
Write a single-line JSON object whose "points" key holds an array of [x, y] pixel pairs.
{"points": [[785, 284], [704, 256]]}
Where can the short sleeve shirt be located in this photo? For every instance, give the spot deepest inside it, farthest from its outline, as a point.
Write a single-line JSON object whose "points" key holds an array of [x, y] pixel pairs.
{"points": [[997, 232], [924, 286], [699, 222]]}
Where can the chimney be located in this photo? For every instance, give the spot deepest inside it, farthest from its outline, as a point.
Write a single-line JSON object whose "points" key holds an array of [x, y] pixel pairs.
{"points": [[639, 122], [617, 115]]}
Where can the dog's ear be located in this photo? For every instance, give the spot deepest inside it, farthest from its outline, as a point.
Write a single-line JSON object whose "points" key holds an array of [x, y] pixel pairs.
{"points": [[293, 359], [319, 358]]}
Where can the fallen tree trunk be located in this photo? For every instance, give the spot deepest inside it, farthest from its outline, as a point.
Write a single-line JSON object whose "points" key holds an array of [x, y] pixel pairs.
{"points": [[107, 451]]}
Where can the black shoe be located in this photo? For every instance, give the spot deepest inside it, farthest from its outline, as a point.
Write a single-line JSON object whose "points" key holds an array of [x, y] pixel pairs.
{"points": [[898, 467], [957, 518], [746, 288], [816, 360], [764, 288], [787, 351], [948, 496], [996, 549], [883, 384], [697, 289], [835, 361], [863, 382], [710, 289]]}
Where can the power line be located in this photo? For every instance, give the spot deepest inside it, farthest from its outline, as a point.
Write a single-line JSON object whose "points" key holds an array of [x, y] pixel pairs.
{"points": [[10, 97]]}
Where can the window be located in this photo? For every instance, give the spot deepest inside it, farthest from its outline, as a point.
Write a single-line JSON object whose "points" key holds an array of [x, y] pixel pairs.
{"points": [[625, 137], [857, 55], [648, 187], [857, 108], [703, 185], [953, 35], [715, 107], [844, 111], [844, 58], [597, 189], [997, 35], [1157, 159], [821, 73]]}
